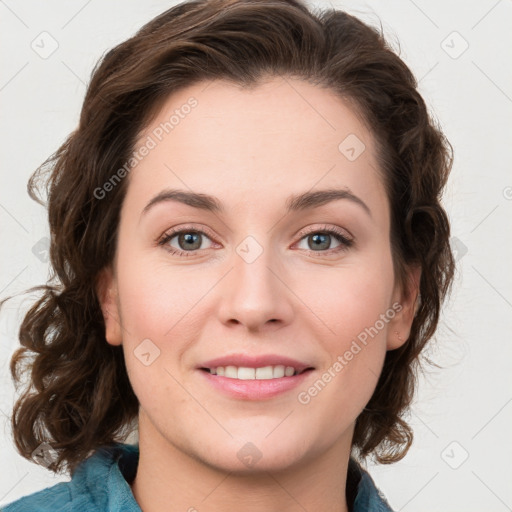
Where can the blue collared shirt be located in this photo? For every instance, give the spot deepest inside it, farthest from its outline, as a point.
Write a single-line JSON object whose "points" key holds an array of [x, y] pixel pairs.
{"points": [[101, 483]]}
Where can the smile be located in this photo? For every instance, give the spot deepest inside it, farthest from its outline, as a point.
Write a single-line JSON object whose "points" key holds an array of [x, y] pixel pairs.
{"points": [[246, 386], [261, 373]]}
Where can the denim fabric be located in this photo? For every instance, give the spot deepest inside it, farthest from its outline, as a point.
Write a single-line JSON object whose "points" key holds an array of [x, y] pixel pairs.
{"points": [[369, 498], [100, 484]]}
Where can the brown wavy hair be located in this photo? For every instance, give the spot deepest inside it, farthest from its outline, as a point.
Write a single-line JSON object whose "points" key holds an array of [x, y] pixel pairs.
{"points": [[78, 397]]}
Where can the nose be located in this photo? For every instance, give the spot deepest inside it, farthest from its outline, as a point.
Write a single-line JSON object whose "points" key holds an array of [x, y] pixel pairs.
{"points": [[255, 293]]}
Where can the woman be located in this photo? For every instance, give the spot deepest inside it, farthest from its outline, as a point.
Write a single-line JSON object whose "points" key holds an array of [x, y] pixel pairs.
{"points": [[250, 255]]}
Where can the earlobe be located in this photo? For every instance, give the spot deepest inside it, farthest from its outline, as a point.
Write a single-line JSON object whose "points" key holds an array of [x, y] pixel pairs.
{"points": [[106, 291], [408, 298]]}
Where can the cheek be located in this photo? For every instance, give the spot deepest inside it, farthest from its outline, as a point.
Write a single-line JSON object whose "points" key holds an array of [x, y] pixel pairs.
{"points": [[354, 308], [157, 311], [347, 300], [162, 314], [155, 299]]}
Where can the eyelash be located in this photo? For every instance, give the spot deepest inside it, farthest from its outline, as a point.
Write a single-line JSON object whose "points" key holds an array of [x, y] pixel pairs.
{"points": [[345, 242]]}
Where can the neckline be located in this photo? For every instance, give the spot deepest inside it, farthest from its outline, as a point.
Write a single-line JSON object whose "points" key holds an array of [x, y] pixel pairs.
{"points": [[128, 460]]}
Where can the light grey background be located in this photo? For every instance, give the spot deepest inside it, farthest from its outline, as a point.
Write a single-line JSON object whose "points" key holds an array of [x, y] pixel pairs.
{"points": [[461, 458]]}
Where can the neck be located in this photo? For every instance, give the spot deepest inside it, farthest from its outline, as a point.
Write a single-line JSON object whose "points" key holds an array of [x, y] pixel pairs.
{"points": [[169, 479]]}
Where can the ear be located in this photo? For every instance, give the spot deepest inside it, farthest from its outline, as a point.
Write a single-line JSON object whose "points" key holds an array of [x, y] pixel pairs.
{"points": [[405, 303], [106, 290]]}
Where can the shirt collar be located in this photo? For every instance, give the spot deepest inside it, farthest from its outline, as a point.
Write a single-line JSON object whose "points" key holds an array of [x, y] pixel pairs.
{"points": [[115, 467]]}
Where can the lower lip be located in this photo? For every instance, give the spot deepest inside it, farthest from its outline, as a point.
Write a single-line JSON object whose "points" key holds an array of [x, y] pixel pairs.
{"points": [[255, 389]]}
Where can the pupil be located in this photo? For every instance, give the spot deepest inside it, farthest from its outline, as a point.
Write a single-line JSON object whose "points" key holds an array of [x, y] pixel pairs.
{"points": [[318, 243], [189, 238]]}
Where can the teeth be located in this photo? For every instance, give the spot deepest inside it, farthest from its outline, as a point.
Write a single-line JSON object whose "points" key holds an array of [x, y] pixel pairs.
{"points": [[262, 373], [266, 372]]}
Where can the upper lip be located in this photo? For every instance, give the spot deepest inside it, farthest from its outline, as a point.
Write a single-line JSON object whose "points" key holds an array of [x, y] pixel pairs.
{"points": [[248, 361]]}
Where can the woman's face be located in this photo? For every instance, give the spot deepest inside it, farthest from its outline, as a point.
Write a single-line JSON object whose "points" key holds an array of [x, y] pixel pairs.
{"points": [[281, 268]]}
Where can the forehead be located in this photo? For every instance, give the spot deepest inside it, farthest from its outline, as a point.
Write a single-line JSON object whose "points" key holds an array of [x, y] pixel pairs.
{"points": [[282, 134]]}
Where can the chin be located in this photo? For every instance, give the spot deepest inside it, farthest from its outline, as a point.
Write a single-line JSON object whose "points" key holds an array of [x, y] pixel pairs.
{"points": [[253, 455]]}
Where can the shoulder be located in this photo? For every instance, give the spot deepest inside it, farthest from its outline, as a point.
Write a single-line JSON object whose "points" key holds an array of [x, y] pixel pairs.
{"points": [[54, 498], [368, 497], [97, 485]]}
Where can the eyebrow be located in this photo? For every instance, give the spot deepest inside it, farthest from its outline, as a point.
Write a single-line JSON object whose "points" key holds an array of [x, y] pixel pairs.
{"points": [[294, 203]]}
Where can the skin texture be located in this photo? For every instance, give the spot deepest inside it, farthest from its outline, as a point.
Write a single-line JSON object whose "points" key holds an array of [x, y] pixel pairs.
{"points": [[252, 149]]}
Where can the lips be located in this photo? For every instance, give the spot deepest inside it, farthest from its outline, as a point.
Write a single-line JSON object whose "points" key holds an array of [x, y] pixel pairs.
{"points": [[247, 361]]}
